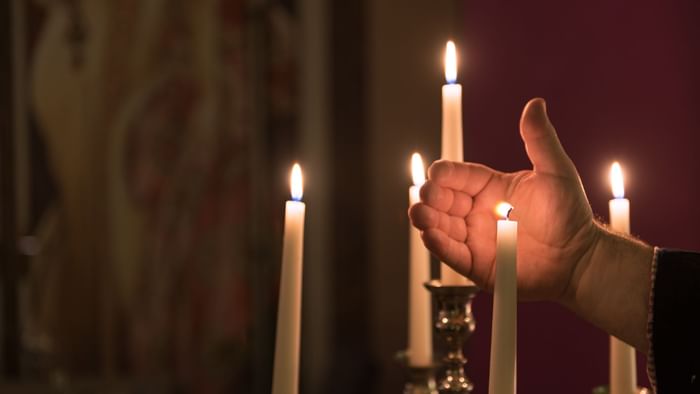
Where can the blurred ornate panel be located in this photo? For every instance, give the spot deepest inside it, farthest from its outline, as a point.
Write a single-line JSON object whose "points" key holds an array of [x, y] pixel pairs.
{"points": [[166, 128]]}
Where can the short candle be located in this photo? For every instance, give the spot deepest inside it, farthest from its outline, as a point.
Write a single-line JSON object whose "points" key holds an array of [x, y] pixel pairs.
{"points": [[285, 378], [420, 334], [502, 372], [623, 359]]}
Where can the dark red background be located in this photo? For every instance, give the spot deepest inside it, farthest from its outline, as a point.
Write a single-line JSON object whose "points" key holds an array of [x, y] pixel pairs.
{"points": [[621, 82]]}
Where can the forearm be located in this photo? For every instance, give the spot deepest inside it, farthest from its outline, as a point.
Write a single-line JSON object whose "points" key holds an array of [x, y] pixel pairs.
{"points": [[612, 285]]}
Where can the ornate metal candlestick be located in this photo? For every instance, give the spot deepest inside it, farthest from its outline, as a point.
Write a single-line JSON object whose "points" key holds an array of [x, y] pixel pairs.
{"points": [[606, 390], [419, 380], [455, 324]]}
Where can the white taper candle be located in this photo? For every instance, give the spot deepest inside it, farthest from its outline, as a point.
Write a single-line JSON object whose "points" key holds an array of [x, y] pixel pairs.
{"points": [[286, 369], [623, 359], [452, 148], [502, 372], [420, 322]]}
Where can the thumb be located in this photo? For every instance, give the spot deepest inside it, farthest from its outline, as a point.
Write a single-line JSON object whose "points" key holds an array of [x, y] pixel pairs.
{"points": [[541, 142]]}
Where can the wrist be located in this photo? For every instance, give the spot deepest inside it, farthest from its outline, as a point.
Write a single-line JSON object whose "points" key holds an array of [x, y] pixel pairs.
{"points": [[593, 246], [611, 286]]}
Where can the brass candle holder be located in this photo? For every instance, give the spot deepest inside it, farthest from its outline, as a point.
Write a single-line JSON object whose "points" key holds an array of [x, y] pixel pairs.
{"points": [[454, 325], [606, 390], [419, 379]]}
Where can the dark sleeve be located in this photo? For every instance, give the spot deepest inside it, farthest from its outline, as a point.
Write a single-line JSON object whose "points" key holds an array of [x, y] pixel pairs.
{"points": [[675, 322]]}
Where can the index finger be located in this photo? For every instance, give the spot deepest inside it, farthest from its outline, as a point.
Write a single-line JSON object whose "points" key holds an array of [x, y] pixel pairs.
{"points": [[470, 178]]}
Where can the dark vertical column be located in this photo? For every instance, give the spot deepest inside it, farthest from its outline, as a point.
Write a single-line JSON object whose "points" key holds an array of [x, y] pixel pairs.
{"points": [[263, 274], [8, 257], [405, 74], [350, 183]]}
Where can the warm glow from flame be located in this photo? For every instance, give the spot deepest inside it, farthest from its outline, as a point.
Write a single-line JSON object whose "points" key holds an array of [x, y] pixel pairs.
{"points": [[296, 182], [617, 181], [417, 170], [450, 62], [503, 210]]}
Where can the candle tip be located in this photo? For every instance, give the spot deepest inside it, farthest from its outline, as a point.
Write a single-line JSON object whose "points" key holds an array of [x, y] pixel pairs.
{"points": [[417, 169], [503, 209], [296, 183], [617, 180], [450, 62]]}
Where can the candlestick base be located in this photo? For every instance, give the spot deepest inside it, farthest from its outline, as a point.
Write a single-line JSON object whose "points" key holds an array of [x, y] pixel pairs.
{"points": [[455, 324], [606, 390], [419, 380]]}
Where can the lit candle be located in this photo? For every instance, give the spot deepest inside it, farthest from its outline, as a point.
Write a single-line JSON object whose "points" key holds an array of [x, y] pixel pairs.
{"points": [[286, 368], [420, 337], [623, 365], [502, 373], [452, 139]]}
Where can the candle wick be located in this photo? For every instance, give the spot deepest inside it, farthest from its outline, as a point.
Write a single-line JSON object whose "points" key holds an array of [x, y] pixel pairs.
{"points": [[508, 214]]}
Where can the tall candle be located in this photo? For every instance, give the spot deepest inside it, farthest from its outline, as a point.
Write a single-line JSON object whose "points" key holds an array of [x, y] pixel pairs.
{"points": [[623, 365], [420, 334], [286, 368], [452, 148], [502, 373]]}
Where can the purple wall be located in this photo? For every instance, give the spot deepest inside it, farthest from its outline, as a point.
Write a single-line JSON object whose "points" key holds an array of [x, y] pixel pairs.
{"points": [[622, 82]]}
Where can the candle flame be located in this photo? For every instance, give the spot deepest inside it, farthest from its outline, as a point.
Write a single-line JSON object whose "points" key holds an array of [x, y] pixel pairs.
{"points": [[450, 62], [617, 181], [296, 182], [417, 170], [503, 209]]}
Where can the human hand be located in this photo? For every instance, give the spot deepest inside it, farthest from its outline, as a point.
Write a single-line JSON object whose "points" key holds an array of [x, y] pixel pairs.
{"points": [[556, 230]]}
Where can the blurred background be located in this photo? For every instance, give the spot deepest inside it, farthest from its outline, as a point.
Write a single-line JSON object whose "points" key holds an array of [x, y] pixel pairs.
{"points": [[144, 158]]}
